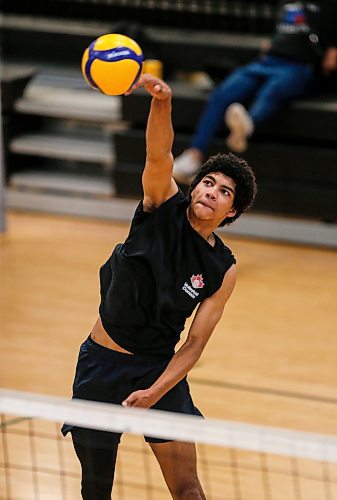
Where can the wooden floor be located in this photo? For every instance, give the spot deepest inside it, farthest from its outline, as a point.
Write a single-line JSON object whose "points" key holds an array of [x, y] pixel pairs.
{"points": [[271, 361]]}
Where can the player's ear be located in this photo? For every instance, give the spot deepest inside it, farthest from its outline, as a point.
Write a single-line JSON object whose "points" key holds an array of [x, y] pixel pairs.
{"points": [[231, 213]]}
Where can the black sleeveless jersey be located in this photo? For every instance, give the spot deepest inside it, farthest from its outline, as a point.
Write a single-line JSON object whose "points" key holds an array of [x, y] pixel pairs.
{"points": [[154, 281]]}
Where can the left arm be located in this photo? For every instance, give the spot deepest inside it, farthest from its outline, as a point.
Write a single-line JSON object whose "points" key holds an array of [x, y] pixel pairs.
{"points": [[329, 36], [329, 61], [204, 322]]}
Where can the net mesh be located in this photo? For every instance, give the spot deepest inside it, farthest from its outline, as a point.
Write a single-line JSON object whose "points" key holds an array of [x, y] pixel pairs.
{"points": [[235, 461]]}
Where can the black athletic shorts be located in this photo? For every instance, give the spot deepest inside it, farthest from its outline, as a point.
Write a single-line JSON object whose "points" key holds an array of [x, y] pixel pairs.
{"points": [[110, 376]]}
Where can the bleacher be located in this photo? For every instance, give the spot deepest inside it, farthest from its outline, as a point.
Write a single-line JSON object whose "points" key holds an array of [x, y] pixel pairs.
{"points": [[87, 143], [295, 157]]}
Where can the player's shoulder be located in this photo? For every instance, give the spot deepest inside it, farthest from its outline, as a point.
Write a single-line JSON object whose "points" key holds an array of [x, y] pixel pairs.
{"points": [[177, 199], [161, 217], [224, 251]]}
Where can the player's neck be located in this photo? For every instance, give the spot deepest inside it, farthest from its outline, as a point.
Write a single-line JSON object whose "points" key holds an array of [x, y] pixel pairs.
{"points": [[203, 227]]}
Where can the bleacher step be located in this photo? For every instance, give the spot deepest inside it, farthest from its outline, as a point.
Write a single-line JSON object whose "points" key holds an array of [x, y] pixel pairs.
{"points": [[47, 182], [64, 147], [268, 227], [69, 103]]}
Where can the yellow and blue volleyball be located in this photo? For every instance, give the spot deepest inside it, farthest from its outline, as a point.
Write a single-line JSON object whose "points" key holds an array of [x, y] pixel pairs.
{"points": [[112, 63]]}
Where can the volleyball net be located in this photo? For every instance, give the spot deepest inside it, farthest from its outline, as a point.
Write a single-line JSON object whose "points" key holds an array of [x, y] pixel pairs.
{"points": [[236, 461]]}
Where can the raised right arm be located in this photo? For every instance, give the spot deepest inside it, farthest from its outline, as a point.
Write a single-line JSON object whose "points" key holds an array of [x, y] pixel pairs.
{"points": [[158, 183]]}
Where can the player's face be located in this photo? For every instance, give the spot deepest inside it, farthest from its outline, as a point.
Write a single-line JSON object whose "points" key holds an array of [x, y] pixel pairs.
{"points": [[213, 198]]}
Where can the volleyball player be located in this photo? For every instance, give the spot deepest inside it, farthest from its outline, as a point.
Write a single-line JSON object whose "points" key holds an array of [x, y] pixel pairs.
{"points": [[170, 263]]}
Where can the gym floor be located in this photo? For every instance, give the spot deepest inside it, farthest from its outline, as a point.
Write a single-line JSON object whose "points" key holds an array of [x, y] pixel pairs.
{"points": [[271, 360]]}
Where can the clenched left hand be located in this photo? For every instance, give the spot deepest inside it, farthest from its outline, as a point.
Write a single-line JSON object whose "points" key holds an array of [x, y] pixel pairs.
{"points": [[141, 399]]}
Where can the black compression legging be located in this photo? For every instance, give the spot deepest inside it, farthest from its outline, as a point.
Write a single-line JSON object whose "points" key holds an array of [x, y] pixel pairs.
{"points": [[98, 470]]}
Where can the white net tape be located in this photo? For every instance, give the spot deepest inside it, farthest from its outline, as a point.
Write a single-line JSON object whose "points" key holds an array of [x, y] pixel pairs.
{"points": [[160, 424]]}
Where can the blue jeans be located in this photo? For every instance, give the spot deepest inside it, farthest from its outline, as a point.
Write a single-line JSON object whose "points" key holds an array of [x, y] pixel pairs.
{"points": [[266, 84]]}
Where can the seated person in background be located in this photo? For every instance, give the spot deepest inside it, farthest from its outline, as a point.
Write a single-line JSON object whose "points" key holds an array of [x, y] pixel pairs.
{"points": [[305, 33]]}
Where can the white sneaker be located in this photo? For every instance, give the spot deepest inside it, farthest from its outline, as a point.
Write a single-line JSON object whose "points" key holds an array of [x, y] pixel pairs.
{"points": [[185, 167], [240, 125]]}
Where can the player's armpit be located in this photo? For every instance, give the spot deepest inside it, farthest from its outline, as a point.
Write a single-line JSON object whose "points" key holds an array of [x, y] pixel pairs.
{"points": [[157, 190]]}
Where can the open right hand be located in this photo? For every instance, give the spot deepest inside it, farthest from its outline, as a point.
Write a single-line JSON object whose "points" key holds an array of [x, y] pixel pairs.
{"points": [[156, 87]]}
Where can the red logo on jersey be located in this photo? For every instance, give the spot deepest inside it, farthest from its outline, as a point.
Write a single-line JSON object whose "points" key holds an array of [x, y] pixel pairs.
{"points": [[197, 281]]}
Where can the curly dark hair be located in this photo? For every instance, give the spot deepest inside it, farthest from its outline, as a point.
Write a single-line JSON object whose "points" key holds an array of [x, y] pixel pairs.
{"points": [[237, 169]]}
